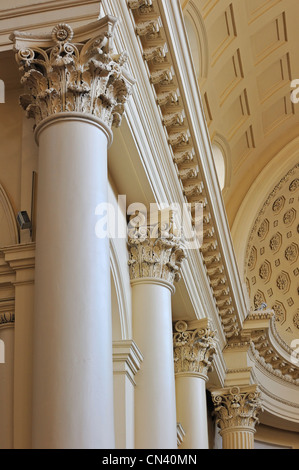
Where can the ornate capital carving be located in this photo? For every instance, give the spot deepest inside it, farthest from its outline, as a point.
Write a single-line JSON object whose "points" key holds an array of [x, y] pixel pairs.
{"points": [[73, 71], [237, 407], [155, 251], [194, 347]]}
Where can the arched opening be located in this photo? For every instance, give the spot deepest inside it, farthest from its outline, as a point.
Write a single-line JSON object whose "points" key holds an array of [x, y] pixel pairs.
{"points": [[197, 37], [220, 165], [8, 231]]}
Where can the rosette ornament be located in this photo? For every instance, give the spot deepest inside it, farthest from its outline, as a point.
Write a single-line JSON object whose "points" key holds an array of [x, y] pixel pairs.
{"points": [[73, 71]]}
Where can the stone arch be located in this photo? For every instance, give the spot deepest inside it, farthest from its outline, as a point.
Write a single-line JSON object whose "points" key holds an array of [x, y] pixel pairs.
{"points": [[198, 39], [222, 159], [120, 297], [8, 226]]}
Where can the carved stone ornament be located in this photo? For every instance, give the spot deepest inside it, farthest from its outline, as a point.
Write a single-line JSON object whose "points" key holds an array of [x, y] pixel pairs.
{"points": [[73, 71], [6, 319], [193, 348], [237, 407], [155, 251]]}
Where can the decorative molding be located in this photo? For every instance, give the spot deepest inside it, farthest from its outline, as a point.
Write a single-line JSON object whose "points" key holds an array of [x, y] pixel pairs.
{"points": [[268, 348], [149, 27], [155, 251], [237, 407], [74, 72], [7, 320], [127, 359], [194, 347]]}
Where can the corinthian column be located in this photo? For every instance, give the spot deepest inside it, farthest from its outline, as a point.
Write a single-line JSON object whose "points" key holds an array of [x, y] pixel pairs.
{"points": [[75, 89], [237, 411], [194, 347], [155, 256]]}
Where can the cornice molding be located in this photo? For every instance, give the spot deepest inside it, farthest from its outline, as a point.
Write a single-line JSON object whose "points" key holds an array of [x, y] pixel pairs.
{"points": [[127, 359], [267, 347], [20, 257], [9, 13], [154, 35]]}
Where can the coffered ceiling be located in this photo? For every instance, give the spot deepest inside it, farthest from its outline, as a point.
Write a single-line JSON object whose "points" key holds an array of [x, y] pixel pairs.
{"points": [[272, 256], [246, 55]]}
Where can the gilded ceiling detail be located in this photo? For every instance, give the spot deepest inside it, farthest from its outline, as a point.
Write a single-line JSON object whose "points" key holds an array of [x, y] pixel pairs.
{"points": [[272, 269]]}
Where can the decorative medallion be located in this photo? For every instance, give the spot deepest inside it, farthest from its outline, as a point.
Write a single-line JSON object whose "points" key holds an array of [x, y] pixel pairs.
{"points": [[296, 320], [252, 258], [275, 242], [289, 217], [278, 205], [283, 282], [294, 185], [265, 271], [259, 300], [263, 230], [280, 312], [291, 253]]}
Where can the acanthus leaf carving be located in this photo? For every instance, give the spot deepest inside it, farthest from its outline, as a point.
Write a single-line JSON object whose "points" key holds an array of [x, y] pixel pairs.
{"points": [[82, 77], [155, 251], [194, 349], [237, 407]]}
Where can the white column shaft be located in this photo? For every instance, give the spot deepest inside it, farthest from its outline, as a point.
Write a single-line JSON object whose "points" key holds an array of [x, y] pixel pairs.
{"points": [[155, 407], [73, 381], [192, 410], [6, 387]]}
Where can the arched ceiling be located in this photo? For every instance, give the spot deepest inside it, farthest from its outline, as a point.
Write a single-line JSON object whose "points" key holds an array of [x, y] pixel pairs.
{"points": [[251, 48]]}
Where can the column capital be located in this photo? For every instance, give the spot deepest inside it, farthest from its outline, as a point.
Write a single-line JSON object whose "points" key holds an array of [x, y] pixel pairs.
{"points": [[237, 408], [194, 347], [155, 251], [73, 71]]}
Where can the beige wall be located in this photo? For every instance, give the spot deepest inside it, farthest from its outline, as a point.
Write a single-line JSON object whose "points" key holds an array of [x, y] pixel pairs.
{"points": [[277, 437]]}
